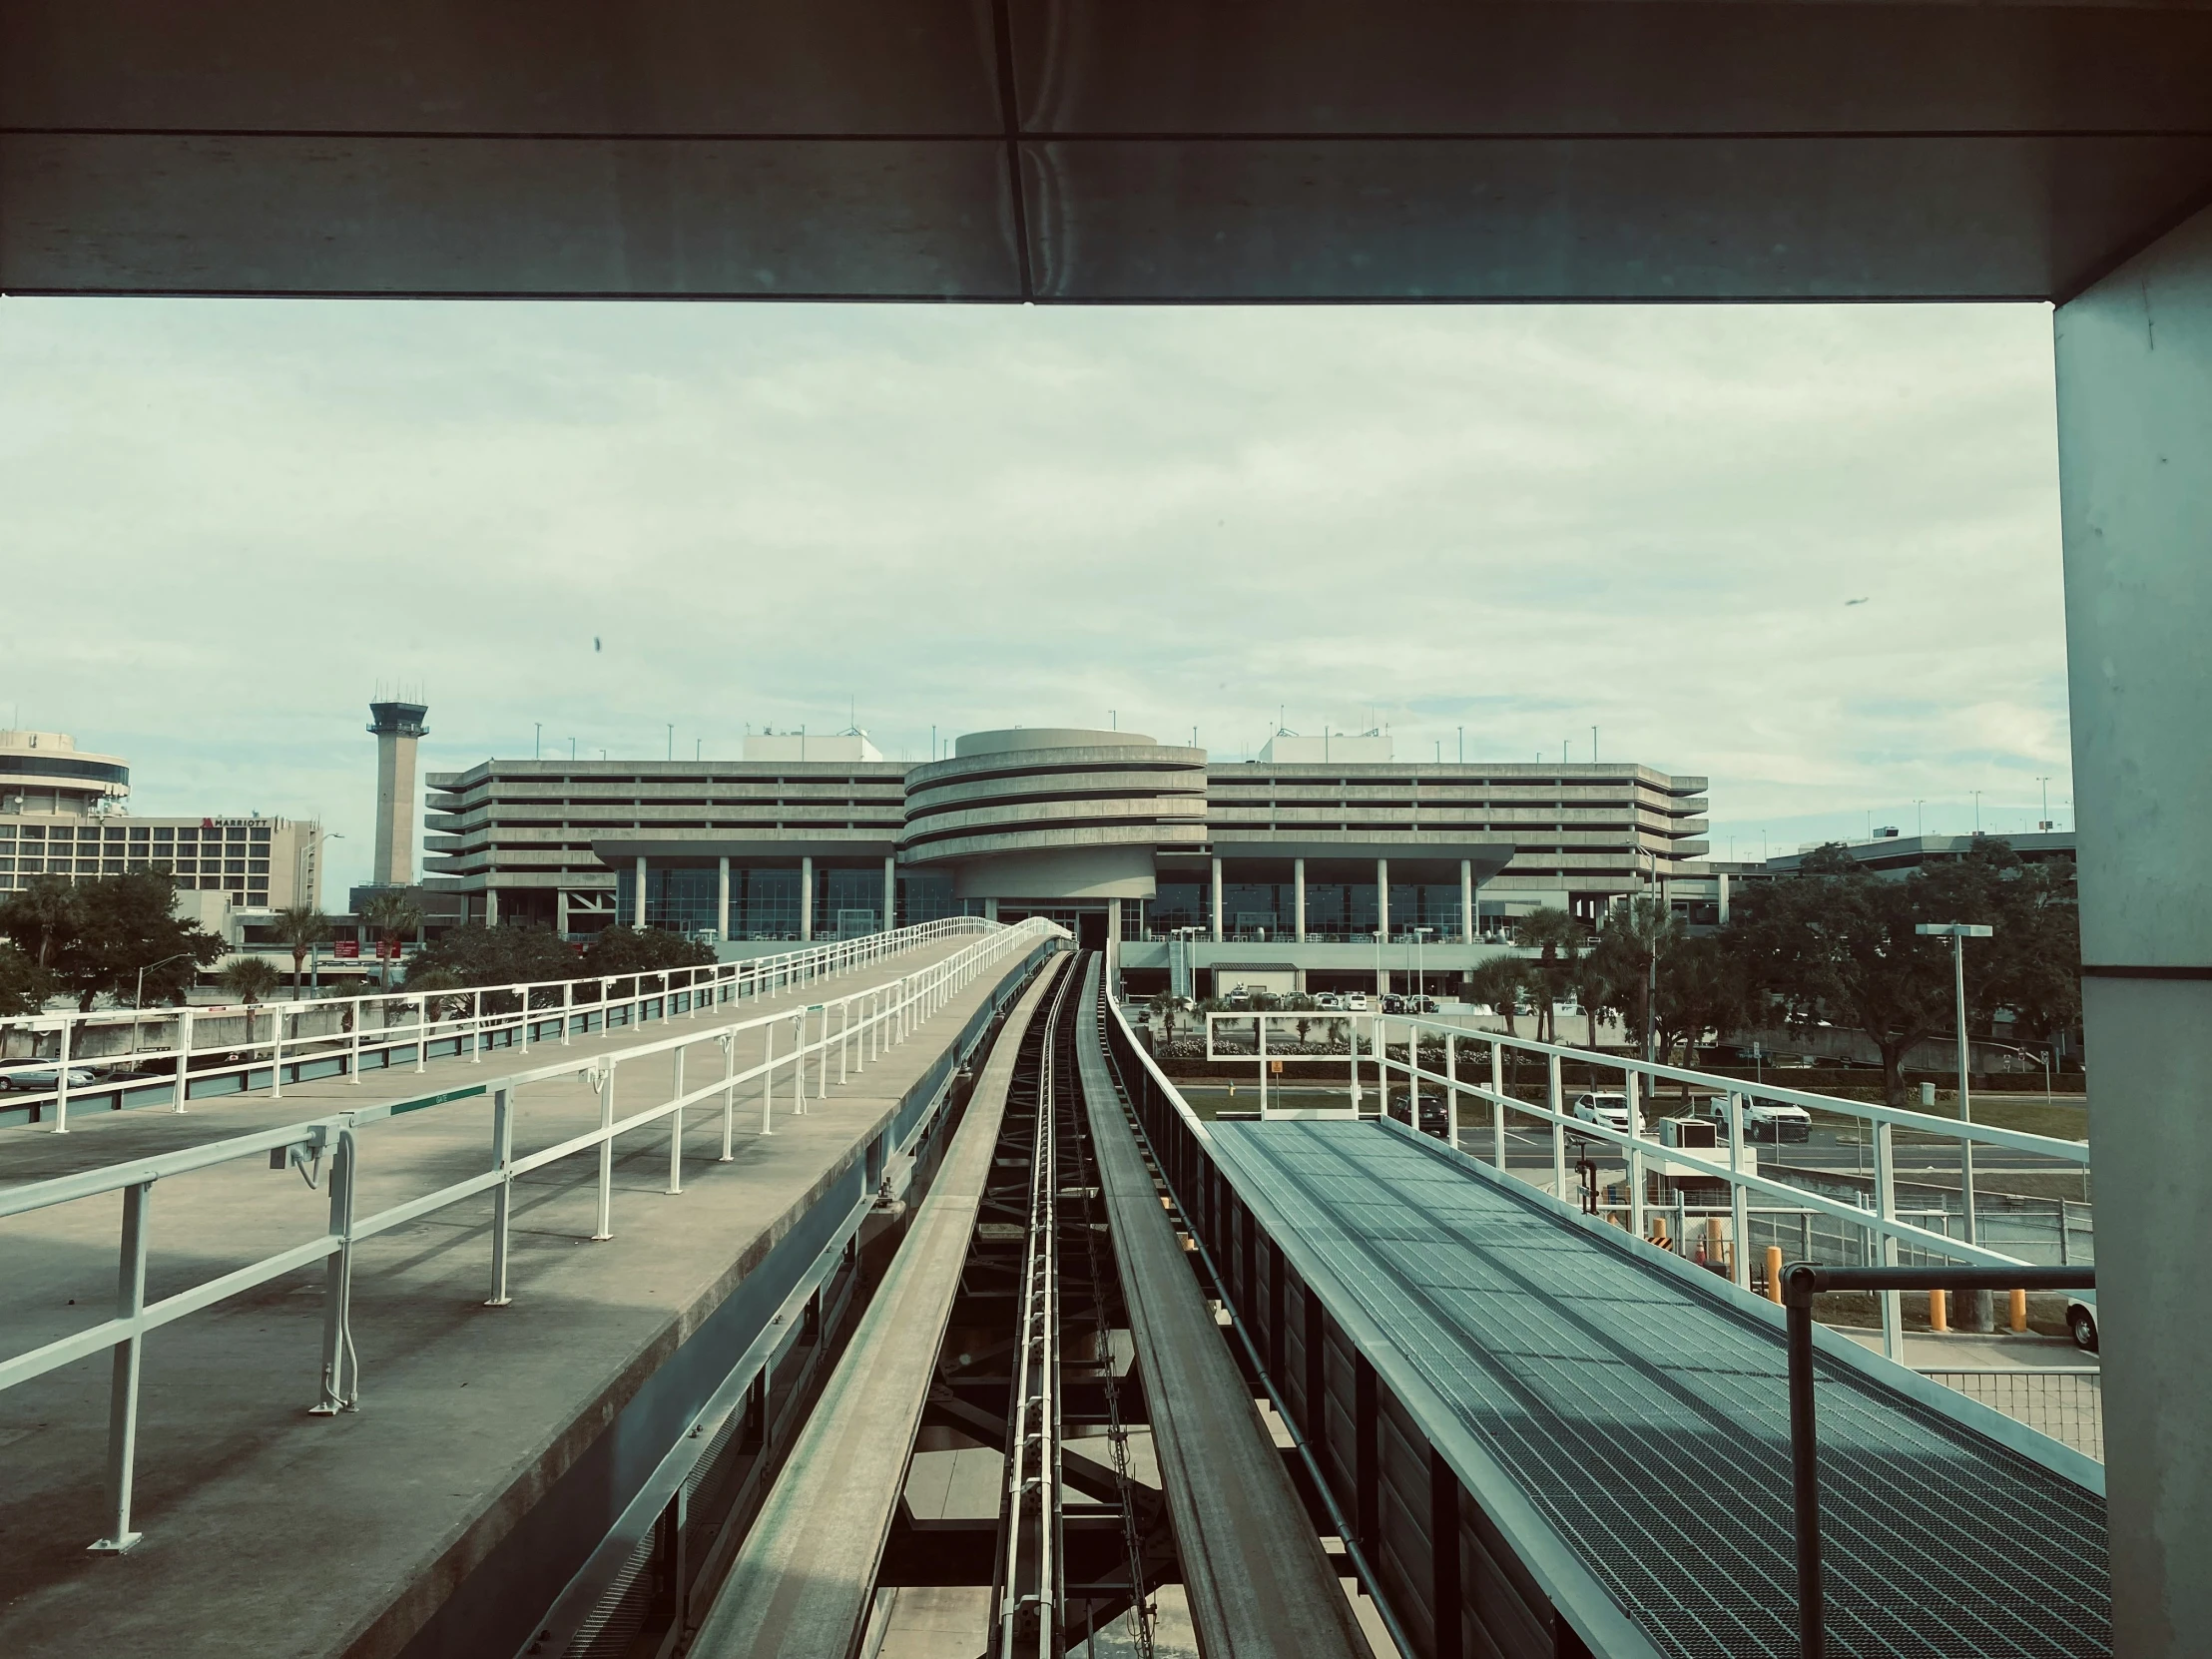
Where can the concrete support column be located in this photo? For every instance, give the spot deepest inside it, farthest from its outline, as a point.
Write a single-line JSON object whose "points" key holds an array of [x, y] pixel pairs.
{"points": [[1382, 898], [1724, 899], [1466, 902], [806, 899], [637, 918], [891, 891], [560, 912], [1217, 901], [1113, 941], [2134, 361], [722, 898], [1298, 901], [991, 910], [492, 905]]}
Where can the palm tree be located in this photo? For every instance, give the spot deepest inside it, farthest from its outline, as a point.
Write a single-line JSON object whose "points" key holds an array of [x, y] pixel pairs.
{"points": [[48, 911], [249, 978], [300, 928], [1559, 939], [390, 917], [1498, 982]]}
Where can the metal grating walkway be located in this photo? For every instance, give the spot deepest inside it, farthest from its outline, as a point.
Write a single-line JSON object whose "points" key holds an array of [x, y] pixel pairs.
{"points": [[1645, 1415]]}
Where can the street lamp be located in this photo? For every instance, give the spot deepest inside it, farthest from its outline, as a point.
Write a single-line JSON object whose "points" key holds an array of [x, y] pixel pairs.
{"points": [[138, 997], [1958, 933]]}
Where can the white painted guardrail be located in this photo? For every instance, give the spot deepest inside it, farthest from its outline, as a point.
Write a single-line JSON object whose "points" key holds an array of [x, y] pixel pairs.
{"points": [[848, 1031], [363, 1031], [1885, 1222]]}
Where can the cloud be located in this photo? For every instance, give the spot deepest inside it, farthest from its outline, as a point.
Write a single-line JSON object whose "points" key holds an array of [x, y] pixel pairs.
{"points": [[227, 519]]}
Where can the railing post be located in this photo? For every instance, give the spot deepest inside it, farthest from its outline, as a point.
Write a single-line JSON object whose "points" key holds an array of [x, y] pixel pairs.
{"points": [[183, 1057], [844, 1038], [340, 1385], [1632, 1092], [1498, 1131], [768, 1079], [123, 1383], [358, 1017], [798, 1063], [1886, 1207], [1451, 1089], [60, 1083], [567, 1002], [522, 1027], [606, 1229], [676, 1130], [1739, 1197], [476, 1028], [822, 1056], [502, 1196], [729, 1042], [1555, 1096], [422, 1034]]}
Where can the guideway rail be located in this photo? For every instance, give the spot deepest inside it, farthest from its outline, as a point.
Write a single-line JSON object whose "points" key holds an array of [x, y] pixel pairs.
{"points": [[430, 1022], [847, 1031]]}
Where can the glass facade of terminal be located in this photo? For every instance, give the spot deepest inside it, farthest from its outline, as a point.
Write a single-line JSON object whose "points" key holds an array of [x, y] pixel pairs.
{"points": [[1333, 910], [764, 898]]}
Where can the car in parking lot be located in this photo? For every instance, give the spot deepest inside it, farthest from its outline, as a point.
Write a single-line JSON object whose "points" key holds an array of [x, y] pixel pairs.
{"points": [[1329, 1001], [45, 1079], [1606, 1110], [1764, 1120], [2081, 1319], [1356, 1002]]}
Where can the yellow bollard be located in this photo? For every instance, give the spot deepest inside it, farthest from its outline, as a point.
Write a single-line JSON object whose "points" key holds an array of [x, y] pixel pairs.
{"points": [[1774, 1273], [2019, 1313], [1938, 1318], [1659, 1232]]}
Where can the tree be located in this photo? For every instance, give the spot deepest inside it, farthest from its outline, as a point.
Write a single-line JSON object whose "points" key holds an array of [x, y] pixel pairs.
{"points": [[1165, 1008], [24, 985], [516, 954], [1837, 941], [46, 913], [300, 928], [1703, 987], [1631, 937], [107, 930], [1558, 940], [1498, 982], [249, 978], [621, 950], [390, 917]]}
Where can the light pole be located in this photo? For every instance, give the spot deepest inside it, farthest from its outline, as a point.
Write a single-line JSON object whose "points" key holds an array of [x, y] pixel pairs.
{"points": [[1651, 965], [1958, 933], [1421, 964]]}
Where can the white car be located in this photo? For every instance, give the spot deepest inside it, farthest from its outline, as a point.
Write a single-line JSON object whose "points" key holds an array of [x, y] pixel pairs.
{"points": [[1329, 1001], [1764, 1120], [1607, 1111], [1356, 1002], [2081, 1319]]}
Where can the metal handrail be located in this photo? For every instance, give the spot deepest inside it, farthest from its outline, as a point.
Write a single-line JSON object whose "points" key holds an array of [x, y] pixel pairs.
{"points": [[858, 1025], [706, 984], [1801, 1281]]}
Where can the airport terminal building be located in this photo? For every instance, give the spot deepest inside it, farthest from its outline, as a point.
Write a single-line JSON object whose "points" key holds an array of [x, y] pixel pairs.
{"points": [[1325, 864]]}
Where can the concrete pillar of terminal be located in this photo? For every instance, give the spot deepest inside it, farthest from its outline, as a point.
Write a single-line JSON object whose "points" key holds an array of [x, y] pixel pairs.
{"points": [[2134, 376], [722, 898], [1298, 905], [1113, 941], [890, 893], [1217, 901], [560, 912], [805, 899], [637, 918], [1466, 901], [492, 905], [1724, 899], [991, 910], [1382, 898]]}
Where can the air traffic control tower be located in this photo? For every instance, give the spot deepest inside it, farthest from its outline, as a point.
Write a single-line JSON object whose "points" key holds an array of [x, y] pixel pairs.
{"points": [[396, 726]]}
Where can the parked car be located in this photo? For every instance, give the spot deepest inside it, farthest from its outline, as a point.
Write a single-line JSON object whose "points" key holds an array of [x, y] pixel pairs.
{"points": [[1329, 1001], [45, 1079], [2081, 1319], [1393, 1004], [1764, 1120], [1608, 1111], [1426, 1005], [1356, 1002]]}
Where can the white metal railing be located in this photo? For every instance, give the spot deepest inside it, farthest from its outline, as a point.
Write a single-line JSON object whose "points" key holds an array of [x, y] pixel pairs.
{"points": [[382, 1029], [848, 1031], [1885, 1223]]}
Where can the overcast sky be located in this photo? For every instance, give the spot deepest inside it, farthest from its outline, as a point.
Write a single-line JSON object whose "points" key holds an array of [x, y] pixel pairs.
{"points": [[223, 522]]}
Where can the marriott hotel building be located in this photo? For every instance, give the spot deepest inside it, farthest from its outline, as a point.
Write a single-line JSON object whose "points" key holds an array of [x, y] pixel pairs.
{"points": [[1326, 863]]}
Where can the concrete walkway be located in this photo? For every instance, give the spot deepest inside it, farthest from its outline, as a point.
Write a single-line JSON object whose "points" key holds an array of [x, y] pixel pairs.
{"points": [[274, 1532]]}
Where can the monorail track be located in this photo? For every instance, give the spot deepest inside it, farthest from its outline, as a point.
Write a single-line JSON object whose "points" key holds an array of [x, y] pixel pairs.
{"points": [[1044, 1257]]}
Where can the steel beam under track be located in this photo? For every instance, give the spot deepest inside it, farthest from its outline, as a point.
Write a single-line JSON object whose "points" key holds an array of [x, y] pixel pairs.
{"points": [[1254, 1571]]}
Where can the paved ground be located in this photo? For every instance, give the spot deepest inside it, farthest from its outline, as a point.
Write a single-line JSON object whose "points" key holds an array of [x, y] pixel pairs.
{"points": [[271, 1532]]}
